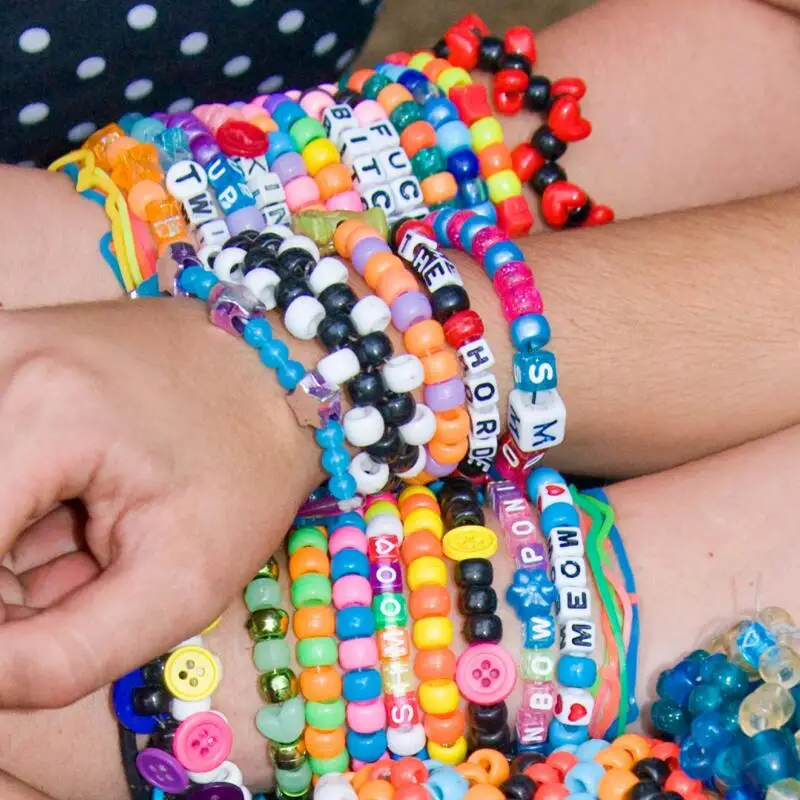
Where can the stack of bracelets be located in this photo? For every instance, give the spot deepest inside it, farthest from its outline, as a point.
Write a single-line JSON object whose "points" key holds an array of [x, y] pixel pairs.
{"points": [[259, 206]]}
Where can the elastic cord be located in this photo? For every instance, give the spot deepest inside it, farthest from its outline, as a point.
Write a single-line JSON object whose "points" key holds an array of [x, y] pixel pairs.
{"points": [[129, 750]]}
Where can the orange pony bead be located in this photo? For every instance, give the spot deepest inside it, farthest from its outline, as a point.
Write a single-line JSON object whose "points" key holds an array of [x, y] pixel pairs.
{"points": [[452, 426], [483, 792], [376, 790], [445, 729], [419, 135], [433, 69], [614, 758], [142, 194], [420, 543], [666, 751], [473, 773], [636, 745], [494, 763], [332, 180], [117, 147], [357, 80], [324, 744], [362, 776], [394, 283], [440, 367], [494, 158], [431, 665], [423, 338], [342, 233], [377, 264], [448, 453], [415, 501], [309, 559], [392, 96], [429, 601], [320, 685], [313, 621], [616, 784], [680, 782], [439, 188]]}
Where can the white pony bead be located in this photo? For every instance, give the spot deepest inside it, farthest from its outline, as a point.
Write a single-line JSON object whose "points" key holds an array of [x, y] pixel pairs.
{"points": [[301, 243], [421, 429], [262, 283], [417, 468], [303, 317], [403, 373], [228, 264], [328, 271], [370, 476], [371, 314], [363, 426], [339, 367]]}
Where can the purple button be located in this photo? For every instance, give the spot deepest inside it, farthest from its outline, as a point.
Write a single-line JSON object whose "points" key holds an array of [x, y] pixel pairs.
{"points": [[162, 770], [216, 791]]}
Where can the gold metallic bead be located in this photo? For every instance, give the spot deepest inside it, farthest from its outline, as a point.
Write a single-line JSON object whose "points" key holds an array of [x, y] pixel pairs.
{"points": [[270, 570], [268, 623], [288, 756], [278, 685]]}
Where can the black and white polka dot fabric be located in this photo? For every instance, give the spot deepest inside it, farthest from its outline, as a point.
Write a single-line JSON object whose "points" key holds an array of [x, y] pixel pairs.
{"points": [[68, 67]]}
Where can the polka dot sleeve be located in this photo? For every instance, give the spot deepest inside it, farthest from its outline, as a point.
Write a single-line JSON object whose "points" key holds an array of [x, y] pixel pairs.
{"points": [[67, 69]]}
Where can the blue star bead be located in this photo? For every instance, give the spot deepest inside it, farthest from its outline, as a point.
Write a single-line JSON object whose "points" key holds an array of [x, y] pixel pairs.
{"points": [[530, 593]]}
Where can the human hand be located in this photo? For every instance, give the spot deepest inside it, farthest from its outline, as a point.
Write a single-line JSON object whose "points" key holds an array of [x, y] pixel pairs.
{"points": [[188, 466]]}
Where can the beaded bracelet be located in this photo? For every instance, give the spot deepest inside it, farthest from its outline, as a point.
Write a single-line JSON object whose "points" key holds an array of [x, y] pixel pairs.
{"points": [[281, 721]]}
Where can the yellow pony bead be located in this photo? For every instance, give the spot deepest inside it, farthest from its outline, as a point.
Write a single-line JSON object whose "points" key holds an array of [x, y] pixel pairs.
{"points": [[426, 571], [410, 491], [485, 132], [423, 519], [419, 60], [503, 184], [455, 76], [452, 755], [382, 507], [432, 633], [319, 154], [439, 696]]}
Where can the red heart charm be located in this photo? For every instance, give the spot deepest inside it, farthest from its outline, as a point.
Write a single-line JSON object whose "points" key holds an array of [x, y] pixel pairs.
{"points": [[559, 199], [577, 712], [574, 87], [599, 215], [566, 121]]}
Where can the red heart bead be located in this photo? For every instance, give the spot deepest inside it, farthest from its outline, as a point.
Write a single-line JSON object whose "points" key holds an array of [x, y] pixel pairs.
{"points": [[559, 199], [599, 215], [525, 160], [474, 23], [574, 87], [520, 39], [566, 121], [464, 47], [577, 712]]}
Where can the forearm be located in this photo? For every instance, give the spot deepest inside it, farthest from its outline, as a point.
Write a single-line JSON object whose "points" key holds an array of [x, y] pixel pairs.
{"points": [[12, 789]]}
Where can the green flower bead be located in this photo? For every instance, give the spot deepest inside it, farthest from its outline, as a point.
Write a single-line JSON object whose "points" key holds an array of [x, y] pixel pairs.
{"points": [[278, 686], [311, 590], [390, 610], [271, 654], [270, 570], [268, 623], [427, 162], [325, 716], [374, 85], [283, 722], [322, 766], [405, 114], [319, 651], [304, 131], [307, 537], [262, 593], [293, 780]]}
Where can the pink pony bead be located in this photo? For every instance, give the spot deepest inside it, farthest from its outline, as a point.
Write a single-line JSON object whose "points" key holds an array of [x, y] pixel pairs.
{"points": [[293, 94], [351, 590], [525, 300], [347, 536], [315, 102], [369, 111], [484, 239], [301, 192], [345, 201], [330, 88], [250, 110], [512, 276], [454, 226], [366, 717], [358, 653], [258, 100]]}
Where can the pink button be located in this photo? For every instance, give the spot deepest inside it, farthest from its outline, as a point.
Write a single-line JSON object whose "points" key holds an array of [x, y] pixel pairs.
{"points": [[347, 536], [202, 742], [485, 674]]}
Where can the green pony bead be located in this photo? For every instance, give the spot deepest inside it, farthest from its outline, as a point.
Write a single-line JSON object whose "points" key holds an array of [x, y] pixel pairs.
{"points": [[270, 570], [278, 686], [311, 590], [304, 131], [390, 610], [271, 654], [318, 651], [262, 593], [374, 85], [405, 114], [307, 537], [325, 716], [293, 780], [427, 162], [322, 766], [268, 623]]}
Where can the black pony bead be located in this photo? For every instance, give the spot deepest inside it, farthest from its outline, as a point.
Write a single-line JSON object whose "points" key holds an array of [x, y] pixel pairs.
{"points": [[387, 448], [290, 289], [153, 671], [460, 512], [348, 97], [578, 216], [522, 761], [455, 489], [441, 50], [487, 719], [245, 240], [163, 736], [338, 298], [366, 389], [651, 769], [477, 600], [258, 257], [545, 175], [499, 740], [398, 409], [474, 572], [644, 790], [483, 628], [537, 95], [295, 263], [270, 241], [406, 457], [548, 144], [373, 349], [337, 331], [518, 787], [490, 53], [149, 701], [447, 301], [470, 469], [516, 61]]}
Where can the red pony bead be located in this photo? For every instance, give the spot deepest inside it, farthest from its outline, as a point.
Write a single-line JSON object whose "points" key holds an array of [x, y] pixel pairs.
{"points": [[463, 327], [408, 770], [400, 58], [525, 160], [509, 88], [599, 215], [472, 103], [474, 23], [566, 121], [551, 791], [574, 87], [464, 47], [514, 216], [508, 103], [520, 39], [413, 225], [559, 199]]}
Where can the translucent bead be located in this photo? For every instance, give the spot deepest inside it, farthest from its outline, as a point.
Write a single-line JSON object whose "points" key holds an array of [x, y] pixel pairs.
{"points": [[780, 665], [775, 618], [785, 789], [790, 637], [770, 706]]}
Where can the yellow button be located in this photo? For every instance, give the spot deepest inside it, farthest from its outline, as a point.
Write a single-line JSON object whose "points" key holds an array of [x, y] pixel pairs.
{"points": [[191, 673], [211, 626], [469, 541]]}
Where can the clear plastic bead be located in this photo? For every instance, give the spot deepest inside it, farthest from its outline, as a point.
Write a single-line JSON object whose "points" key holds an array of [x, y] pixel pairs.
{"points": [[775, 618], [768, 707], [790, 637], [780, 665], [784, 789]]}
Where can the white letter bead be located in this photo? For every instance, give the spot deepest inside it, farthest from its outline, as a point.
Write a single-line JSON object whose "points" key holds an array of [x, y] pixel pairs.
{"points": [[565, 542], [384, 134], [421, 429], [213, 233], [371, 476], [418, 212], [226, 772], [476, 356], [482, 451], [411, 241], [481, 389], [267, 189], [262, 283], [419, 465], [384, 524], [576, 706], [303, 317], [339, 367], [334, 786], [403, 373], [277, 214], [336, 120], [301, 243], [406, 741], [367, 171], [536, 422], [577, 637], [370, 314], [181, 709], [551, 493], [363, 426], [573, 603], [185, 179], [228, 264], [380, 196], [356, 142], [284, 231], [201, 208], [329, 270], [484, 422], [395, 163], [440, 272], [407, 193], [569, 571]]}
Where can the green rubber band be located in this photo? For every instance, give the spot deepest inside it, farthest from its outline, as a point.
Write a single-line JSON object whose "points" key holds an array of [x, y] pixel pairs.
{"points": [[306, 537]]}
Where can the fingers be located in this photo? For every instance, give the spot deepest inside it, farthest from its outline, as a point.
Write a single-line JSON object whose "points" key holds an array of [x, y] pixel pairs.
{"points": [[58, 533], [51, 582]]}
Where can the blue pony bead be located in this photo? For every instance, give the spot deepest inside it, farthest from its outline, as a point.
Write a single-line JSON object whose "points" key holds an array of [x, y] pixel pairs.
{"points": [[588, 750], [342, 486], [447, 784], [122, 697], [332, 435], [695, 761], [560, 734], [440, 226], [769, 756], [366, 746], [280, 143], [349, 561], [710, 731], [705, 697], [257, 331], [274, 353], [290, 374], [355, 622], [469, 229], [361, 685]]}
